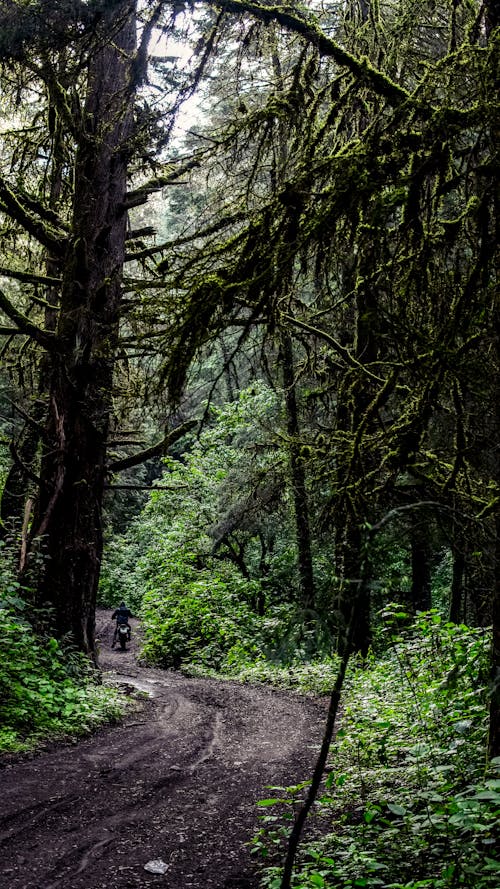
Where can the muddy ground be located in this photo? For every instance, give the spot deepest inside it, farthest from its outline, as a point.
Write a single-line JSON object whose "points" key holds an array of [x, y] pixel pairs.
{"points": [[177, 781]]}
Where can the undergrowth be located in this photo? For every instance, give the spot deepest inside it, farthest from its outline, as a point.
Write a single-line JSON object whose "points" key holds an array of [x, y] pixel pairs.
{"points": [[409, 801], [306, 677], [45, 691]]}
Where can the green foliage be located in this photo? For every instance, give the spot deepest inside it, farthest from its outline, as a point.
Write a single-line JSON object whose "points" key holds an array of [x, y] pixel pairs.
{"points": [[197, 606], [198, 617], [117, 581], [407, 803], [210, 557], [441, 580], [391, 569], [44, 689], [309, 677]]}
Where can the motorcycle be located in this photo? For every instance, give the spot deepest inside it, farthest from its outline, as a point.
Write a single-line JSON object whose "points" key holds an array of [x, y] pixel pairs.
{"points": [[123, 636]]}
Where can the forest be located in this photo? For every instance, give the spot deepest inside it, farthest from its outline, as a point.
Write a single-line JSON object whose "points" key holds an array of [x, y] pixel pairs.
{"points": [[250, 385]]}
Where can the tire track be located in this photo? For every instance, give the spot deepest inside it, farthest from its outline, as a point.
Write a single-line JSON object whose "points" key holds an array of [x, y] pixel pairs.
{"points": [[59, 806]]}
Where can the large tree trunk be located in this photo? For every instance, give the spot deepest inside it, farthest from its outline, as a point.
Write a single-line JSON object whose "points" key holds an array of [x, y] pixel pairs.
{"points": [[349, 565], [69, 521], [494, 727]]}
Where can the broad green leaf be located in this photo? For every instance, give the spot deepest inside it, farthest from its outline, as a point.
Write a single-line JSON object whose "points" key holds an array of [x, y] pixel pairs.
{"points": [[270, 802], [487, 794], [492, 864], [395, 809]]}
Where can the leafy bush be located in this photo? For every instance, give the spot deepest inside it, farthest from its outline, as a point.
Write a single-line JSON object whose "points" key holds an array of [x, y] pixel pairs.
{"points": [[197, 617], [307, 677], [407, 803], [43, 691], [198, 613], [200, 602]]}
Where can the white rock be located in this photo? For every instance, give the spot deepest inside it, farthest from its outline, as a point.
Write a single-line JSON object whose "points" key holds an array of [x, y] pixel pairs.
{"points": [[156, 867]]}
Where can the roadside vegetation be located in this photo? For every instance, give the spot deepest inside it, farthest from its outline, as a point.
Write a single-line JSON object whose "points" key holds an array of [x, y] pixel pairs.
{"points": [[407, 770], [409, 801], [48, 689]]}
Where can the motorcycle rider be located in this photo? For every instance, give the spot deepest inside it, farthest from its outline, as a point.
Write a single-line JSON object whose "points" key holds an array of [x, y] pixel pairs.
{"points": [[121, 615]]}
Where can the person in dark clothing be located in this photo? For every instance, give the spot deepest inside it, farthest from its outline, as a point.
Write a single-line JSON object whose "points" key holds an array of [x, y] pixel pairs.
{"points": [[121, 615]]}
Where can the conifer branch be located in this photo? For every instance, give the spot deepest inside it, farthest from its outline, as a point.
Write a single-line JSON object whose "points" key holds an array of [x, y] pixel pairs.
{"points": [[308, 28], [17, 207], [155, 450], [172, 174], [29, 278], [344, 353], [43, 337], [360, 66]]}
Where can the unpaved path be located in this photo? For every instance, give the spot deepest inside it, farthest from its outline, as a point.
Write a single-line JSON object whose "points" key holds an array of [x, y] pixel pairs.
{"points": [[177, 781]]}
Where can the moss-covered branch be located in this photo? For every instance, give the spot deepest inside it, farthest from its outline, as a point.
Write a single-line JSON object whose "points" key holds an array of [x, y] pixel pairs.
{"points": [[25, 325], [309, 29], [18, 209], [28, 278], [156, 450], [172, 174]]}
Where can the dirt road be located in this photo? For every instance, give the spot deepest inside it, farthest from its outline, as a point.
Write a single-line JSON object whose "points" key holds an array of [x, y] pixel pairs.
{"points": [[177, 782]]}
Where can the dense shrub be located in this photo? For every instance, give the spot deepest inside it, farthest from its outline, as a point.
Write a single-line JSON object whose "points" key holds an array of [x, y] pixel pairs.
{"points": [[44, 691], [198, 616], [118, 581], [407, 803]]}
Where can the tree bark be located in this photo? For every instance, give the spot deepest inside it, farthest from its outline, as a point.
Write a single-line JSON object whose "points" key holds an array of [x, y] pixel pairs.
{"points": [[300, 499], [420, 564], [494, 725], [457, 586], [354, 398], [492, 8], [492, 15], [68, 525]]}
